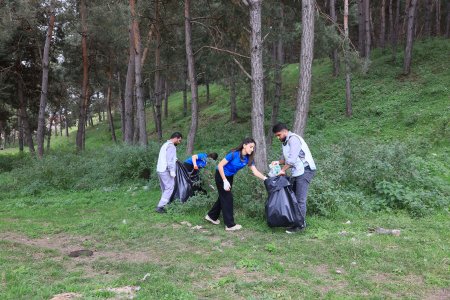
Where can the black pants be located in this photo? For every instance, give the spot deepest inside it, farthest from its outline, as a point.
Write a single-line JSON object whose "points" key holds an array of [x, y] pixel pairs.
{"points": [[224, 203]]}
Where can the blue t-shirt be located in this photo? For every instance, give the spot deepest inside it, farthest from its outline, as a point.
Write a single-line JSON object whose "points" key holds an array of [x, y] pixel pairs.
{"points": [[235, 163], [201, 160]]}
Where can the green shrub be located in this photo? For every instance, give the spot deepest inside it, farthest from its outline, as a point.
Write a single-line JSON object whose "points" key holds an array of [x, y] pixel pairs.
{"points": [[102, 168]]}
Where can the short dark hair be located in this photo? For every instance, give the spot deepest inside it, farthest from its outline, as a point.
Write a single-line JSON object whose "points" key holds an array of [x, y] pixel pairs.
{"points": [[176, 135], [279, 127], [213, 155]]}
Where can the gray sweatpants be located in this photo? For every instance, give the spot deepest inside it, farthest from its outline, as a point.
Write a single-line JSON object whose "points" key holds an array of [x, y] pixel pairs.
{"points": [[300, 187], [167, 184]]}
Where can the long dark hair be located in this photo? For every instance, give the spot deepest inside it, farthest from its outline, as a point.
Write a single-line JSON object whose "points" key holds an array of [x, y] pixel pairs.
{"points": [[239, 148]]}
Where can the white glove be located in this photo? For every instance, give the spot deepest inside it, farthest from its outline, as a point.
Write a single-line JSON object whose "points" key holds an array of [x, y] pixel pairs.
{"points": [[226, 185], [275, 162], [173, 174]]}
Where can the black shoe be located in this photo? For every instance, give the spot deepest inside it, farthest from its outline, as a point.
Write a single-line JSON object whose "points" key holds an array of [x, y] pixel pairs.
{"points": [[294, 229], [161, 210]]}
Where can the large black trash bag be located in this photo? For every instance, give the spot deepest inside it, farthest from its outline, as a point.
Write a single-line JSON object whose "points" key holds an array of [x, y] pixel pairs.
{"points": [[281, 207], [183, 184]]}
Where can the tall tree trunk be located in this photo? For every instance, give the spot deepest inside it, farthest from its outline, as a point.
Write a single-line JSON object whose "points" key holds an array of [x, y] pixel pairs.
{"points": [[391, 23], [447, 22], [334, 54], [140, 108], [192, 79], [361, 28], [84, 101], [129, 91], [409, 37], [307, 52], [185, 78], [257, 76], [233, 106], [367, 40], [383, 24], [108, 107], [66, 122], [24, 116], [438, 17], [348, 91], [60, 121], [166, 98], [20, 126], [122, 105], [428, 10], [49, 132], [278, 78], [396, 29], [44, 85], [158, 87]]}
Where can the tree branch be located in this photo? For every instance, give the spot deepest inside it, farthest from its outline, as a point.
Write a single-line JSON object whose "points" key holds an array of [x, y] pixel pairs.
{"points": [[222, 50], [242, 68]]}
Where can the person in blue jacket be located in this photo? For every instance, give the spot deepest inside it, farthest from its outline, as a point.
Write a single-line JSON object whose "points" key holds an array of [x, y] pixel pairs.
{"points": [[193, 165], [235, 160]]}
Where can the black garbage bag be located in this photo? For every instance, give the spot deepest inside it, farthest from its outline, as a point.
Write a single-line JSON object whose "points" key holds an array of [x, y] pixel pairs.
{"points": [[183, 184], [282, 209]]}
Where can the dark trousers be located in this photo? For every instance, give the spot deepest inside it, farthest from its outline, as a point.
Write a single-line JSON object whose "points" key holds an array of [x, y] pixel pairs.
{"points": [[300, 185], [224, 203]]}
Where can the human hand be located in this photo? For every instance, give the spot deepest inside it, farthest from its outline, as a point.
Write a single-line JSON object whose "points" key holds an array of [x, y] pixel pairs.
{"points": [[173, 174], [195, 167], [282, 173], [226, 185]]}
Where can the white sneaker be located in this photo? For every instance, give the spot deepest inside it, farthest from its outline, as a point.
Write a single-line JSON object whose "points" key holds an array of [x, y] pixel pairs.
{"points": [[234, 228], [207, 218]]}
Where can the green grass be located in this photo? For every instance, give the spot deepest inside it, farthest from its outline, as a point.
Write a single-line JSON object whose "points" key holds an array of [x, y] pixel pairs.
{"points": [[400, 124], [130, 240]]}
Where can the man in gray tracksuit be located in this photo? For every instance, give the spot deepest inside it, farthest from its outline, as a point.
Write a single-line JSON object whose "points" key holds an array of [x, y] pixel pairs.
{"points": [[297, 157], [166, 169]]}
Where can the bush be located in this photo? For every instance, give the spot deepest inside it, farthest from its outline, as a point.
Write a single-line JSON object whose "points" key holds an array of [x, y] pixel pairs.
{"points": [[89, 170]]}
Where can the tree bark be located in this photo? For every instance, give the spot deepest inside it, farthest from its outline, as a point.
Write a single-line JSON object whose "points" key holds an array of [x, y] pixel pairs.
{"points": [[24, 116], [185, 78], [20, 126], [129, 91], [49, 132], [192, 79], [396, 29], [383, 24], [66, 122], [447, 26], [278, 78], [208, 96], [166, 98], [409, 37], [428, 10], [391, 23], [334, 54], [108, 107], [122, 105], [438, 17], [348, 92], [84, 101], [367, 40], [158, 87], [140, 108], [257, 75], [44, 85], [307, 53], [361, 28]]}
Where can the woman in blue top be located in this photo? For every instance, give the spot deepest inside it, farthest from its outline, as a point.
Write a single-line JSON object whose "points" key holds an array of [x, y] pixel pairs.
{"points": [[235, 160]]}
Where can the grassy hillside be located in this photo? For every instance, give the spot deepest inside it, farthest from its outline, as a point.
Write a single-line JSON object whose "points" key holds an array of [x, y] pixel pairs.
{"points": [[387, 166]]}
